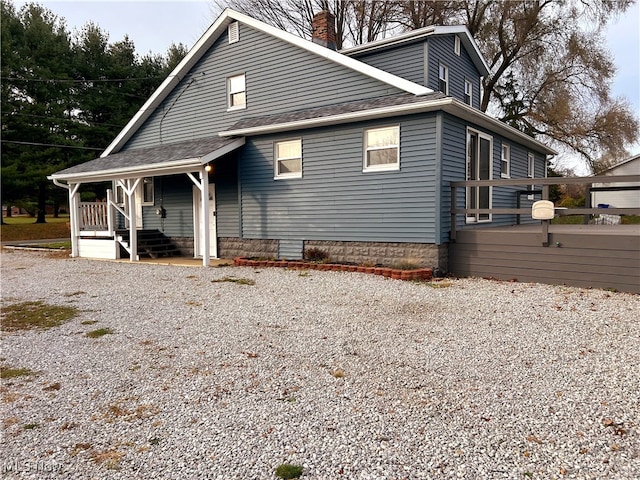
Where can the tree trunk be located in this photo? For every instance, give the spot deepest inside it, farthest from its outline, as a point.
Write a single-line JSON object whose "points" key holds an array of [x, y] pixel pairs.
{"points": [[42, 203]]}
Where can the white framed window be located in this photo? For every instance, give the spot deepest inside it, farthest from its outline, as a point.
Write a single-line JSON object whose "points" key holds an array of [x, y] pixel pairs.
{"points": [[236, 92], [505, 161], [456, 45], [468, 91], [531, 165], [288, 159], [531, 171], [233, 32], [118, 194], [147, 191], [443, 79], [144, 192], [382, 149]]}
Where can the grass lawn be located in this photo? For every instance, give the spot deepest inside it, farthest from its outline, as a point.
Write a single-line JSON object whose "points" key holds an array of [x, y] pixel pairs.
{"points": [[24, 228]]}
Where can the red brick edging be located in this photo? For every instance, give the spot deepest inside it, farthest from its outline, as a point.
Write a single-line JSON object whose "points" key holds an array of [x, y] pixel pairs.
{"points": [[394, 273]]}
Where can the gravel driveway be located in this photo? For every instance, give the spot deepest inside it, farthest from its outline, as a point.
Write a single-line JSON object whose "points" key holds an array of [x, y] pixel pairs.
{"points": [[348, 375]]}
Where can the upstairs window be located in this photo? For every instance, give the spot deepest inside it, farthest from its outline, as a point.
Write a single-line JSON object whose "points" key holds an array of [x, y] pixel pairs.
{"points": [[531, 165], [382, 149], [456, 45], [288, 159], [233, 32], [236, 92], [468, 92], [443, 79], [505, 163]]}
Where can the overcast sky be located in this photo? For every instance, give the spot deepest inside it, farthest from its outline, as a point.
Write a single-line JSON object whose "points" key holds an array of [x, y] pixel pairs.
{"points": [[154, 25]]}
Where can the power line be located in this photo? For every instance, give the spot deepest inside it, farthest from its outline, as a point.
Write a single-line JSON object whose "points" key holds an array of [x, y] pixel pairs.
{"points": [[71, 80], [50, 145], [74, 120]]}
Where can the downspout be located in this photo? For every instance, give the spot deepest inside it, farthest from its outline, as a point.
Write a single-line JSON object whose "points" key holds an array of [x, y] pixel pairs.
{"points": [[439, 187]]}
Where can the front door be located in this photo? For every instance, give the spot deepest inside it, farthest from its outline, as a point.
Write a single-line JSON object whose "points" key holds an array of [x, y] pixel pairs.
{"points": [[197, 214], [479, 161]]}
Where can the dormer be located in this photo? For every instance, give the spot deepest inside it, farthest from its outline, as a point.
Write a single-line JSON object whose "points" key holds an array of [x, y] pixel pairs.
{"points": [[443, 58]]}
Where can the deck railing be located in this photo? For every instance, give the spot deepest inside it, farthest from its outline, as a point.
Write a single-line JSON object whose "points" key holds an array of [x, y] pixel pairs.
{"points": [[544, 183]]}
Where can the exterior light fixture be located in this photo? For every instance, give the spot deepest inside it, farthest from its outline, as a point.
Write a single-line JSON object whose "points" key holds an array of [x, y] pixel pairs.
{"points": [[208, 168]]}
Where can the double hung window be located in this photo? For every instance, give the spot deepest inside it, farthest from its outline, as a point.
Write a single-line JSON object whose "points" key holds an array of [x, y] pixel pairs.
{"points": [[288, 159], [443, 79], [236, 92], [505, 163], [468, 92], [382, 148]]}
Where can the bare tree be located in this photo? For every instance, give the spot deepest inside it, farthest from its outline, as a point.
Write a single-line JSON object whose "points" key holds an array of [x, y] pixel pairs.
{"points": [[357, 21], [550, 72]]}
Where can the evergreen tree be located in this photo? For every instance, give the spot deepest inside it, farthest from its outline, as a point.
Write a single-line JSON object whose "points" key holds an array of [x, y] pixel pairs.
{"points": [[64, 99]]}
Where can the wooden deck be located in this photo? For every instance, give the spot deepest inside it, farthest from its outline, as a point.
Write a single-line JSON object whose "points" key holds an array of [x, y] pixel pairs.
{"points": [[599, 256]]}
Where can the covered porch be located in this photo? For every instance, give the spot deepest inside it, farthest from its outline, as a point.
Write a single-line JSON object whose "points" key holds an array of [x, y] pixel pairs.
{"points": [[105, 229]]}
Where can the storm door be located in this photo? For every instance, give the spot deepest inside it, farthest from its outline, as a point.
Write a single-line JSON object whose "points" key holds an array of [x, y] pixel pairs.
{"points": [[479, 162]]}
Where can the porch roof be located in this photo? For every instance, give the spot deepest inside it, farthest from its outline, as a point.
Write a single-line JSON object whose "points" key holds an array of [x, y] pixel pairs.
{"points": [[179, 157]]}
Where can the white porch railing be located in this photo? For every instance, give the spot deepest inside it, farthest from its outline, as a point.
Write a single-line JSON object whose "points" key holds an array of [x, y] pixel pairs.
{"points": [[94, 216], [96, 219]]}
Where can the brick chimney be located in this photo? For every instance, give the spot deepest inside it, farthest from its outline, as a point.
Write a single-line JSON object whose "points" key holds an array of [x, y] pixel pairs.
{"points": [[323, 28]]}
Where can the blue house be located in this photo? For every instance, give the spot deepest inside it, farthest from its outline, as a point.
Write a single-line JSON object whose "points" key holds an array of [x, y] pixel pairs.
{"points": [[261, 143]]}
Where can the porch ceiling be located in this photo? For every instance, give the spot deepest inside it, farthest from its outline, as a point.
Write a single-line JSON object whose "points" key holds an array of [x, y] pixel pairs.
{"points": [[180, 157]]}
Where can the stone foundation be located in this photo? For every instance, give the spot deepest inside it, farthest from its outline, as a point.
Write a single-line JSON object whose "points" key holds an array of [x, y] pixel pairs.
{"points": [[361, 253], [229, 247], [384, 253]]}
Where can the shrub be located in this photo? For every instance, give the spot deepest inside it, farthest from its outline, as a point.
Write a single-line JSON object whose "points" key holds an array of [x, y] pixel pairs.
{"points": [[315, 255]]}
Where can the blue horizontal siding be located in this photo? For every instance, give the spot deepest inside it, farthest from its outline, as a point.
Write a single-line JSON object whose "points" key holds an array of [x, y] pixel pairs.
{"points": [[280, 77], [174, 194], [461, 67], [335, 199], [290, 249], [406, 61], [225, 178]]}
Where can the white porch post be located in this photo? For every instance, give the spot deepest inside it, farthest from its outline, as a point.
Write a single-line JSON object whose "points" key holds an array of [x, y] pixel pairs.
{"points": [[204, 188], [133, 232], [110, 223], [202, 184], [74, 223]]}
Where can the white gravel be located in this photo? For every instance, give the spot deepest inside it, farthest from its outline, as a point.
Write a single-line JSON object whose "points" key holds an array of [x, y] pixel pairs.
{"points": [[349, 375]]}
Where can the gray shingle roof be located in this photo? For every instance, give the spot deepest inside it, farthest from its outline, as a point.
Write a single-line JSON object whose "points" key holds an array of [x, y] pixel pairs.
{"points": [[191, 149], [339, 109]]}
